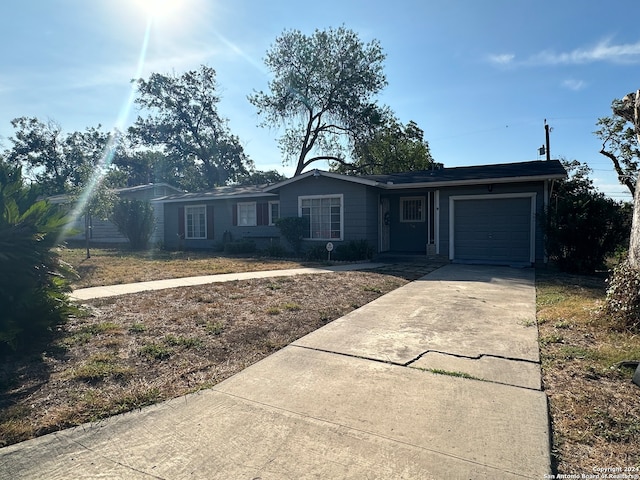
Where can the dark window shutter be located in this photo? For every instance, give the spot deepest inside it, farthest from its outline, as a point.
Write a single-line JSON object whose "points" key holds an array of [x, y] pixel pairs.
{"points": [[234, 214], [181, 222], [262, 214], [209, 222]]}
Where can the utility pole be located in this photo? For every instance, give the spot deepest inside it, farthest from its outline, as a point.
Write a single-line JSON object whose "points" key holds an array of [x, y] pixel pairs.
{"points": [[546, 134]]}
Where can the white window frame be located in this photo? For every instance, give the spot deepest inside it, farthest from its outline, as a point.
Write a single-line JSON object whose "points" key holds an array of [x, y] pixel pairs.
{"points": [[188, 211], [251, 222], [422, 209], [272, 221], [322, 197]]}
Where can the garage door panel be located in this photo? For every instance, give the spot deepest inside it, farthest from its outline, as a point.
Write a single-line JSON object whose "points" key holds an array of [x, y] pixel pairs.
{"points": [[493, 230]]}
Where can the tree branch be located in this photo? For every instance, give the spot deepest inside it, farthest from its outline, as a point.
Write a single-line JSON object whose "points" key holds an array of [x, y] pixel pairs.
{"points": [[622, 176]]}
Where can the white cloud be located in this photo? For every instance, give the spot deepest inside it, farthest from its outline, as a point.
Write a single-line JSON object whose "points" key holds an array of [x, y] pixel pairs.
{"points": [[502, 59], [603, 51], [573, 84]]}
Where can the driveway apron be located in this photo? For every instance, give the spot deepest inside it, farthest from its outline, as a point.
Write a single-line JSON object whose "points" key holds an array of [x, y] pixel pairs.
{"points": [[437, 379]]}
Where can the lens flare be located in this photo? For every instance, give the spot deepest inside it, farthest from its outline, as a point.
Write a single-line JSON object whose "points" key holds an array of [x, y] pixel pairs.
{"points": [[106, 159]]}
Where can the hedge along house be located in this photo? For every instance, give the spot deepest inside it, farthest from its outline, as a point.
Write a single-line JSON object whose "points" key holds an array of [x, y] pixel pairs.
{"points": [[483, 214]]}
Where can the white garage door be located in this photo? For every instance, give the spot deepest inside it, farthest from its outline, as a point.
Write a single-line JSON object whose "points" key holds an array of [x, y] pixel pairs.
{"points": [[493, 230]]}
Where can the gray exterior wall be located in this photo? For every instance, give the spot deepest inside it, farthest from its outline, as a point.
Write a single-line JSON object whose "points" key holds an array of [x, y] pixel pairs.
{"points": [[360, 214], [360, 206], [262, 235]]}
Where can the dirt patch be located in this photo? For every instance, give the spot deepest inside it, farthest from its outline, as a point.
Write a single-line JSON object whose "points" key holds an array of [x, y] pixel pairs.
{"points": [[134, 350]]}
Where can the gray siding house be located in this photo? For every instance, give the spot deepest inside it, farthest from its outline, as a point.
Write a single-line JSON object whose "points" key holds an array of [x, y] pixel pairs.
{"points": [[104, 231], [486, 213]]}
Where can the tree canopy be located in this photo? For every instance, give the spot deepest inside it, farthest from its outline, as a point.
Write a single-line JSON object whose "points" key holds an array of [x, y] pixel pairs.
{"points": [[390, 148], [322, 92], [182, 121], [582, 225], [59, 163]]}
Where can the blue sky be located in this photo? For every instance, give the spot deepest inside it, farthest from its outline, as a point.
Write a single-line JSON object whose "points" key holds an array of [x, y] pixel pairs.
{"points": [[479, 77]]}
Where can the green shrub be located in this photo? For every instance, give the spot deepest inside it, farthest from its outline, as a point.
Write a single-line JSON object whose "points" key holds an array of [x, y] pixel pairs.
{"points": [[317, 253], [623, 296], [34, 282], [276, 251], [294, 230], [135, 221], [353, 251], [240, 247], [583, 226]]}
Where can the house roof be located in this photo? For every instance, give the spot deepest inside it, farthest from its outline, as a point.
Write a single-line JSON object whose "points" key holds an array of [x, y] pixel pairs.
{"points": [[64, 198], [321, 173], [480, 174], [496, 173], [219, 193]]}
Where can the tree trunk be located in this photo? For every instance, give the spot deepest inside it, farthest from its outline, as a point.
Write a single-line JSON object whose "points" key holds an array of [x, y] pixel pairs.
{"points": [[634, 242]]}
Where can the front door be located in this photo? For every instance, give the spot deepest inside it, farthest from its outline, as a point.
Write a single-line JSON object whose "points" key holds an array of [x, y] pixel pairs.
{"points": [[385, 225]]}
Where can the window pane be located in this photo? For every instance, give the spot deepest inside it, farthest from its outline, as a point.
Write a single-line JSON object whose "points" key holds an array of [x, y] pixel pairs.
{"points": [[324, 216], [412, 210], [196, 222]]}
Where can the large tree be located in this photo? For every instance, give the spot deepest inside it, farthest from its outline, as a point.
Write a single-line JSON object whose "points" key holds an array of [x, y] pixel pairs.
{"points": [[582, 226], [182, 121], [76, 164], [390, 148], [322, 92], [58, 162]]}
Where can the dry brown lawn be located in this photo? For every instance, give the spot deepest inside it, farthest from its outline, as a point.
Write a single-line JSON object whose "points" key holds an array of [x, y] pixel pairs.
{"points": [[113, 266], [594, 406], [134, 350]]}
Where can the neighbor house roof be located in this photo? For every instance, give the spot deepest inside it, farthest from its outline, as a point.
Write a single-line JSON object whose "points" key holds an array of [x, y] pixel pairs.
{"points": [[64, 198], [219, 193]]}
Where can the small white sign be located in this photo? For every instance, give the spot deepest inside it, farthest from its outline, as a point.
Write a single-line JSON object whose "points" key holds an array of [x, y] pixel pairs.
{"points": [[329, 247]]}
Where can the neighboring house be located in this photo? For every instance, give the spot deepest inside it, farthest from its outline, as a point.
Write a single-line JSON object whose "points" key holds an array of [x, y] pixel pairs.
{"points": [[486, 213], [104, 231]]}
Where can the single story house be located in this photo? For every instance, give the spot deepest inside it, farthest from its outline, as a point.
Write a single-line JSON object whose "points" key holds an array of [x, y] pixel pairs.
{"points": [[485, 213], [104, 231]]}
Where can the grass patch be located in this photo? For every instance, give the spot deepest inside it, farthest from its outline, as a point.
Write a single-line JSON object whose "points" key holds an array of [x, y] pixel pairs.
{"points": [[291, 307], [369, 288], [100, 367], [593, 403], [273, 311], [448, 373], [137, 328], [155, 351], [214, 328], [181, 341]]}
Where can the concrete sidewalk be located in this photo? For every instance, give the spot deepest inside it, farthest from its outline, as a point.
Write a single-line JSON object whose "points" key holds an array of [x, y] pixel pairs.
{"points": [[357, 398], [114, 290]]}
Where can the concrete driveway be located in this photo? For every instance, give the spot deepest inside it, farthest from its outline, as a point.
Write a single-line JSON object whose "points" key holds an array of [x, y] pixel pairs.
{"points": [[437, 379]]}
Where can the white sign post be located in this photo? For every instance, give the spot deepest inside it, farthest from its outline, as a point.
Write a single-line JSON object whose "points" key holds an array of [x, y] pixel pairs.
{"points": [[329, 250]]}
